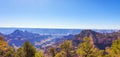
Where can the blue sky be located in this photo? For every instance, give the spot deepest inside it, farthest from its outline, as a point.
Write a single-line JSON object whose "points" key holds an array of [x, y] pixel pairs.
{"points": [[86, 14]]}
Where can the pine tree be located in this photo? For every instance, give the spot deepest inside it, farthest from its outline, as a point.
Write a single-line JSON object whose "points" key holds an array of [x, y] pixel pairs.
{"points": [[67, 47], [19, 52], [52, 52], [114, 50], [87, 49], [61, 54], [28, 49], [39, 54]]}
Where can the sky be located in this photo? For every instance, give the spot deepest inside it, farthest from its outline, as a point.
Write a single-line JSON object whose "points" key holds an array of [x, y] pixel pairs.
{"points": [[75, 14]]}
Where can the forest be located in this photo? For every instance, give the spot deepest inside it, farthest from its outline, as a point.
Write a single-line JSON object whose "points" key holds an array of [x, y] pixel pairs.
{"points": [[66, 49]]}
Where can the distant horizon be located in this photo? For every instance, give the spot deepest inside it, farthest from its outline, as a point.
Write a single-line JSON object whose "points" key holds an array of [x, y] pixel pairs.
{"points": [[59, 28]]}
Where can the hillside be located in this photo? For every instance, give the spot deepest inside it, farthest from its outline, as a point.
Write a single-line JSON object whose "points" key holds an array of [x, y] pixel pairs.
{"points": [[101, 40]]}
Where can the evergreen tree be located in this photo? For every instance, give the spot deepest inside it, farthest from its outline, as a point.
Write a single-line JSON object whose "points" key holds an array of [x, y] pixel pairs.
{"points": [[61, 54], [10, 52], [39, 54], [52, 52], [114, 50], [19, 53], [28, 49], [87, 49], [67, 47]]}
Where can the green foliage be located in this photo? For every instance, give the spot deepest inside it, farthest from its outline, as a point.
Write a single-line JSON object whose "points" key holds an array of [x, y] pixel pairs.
{"points": [[87, 49], [1, 52], [52, 52], [19, 53], [67, 47], [10, 52], [61, 54], [29, 50], [114, 50], [39, 54]]}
